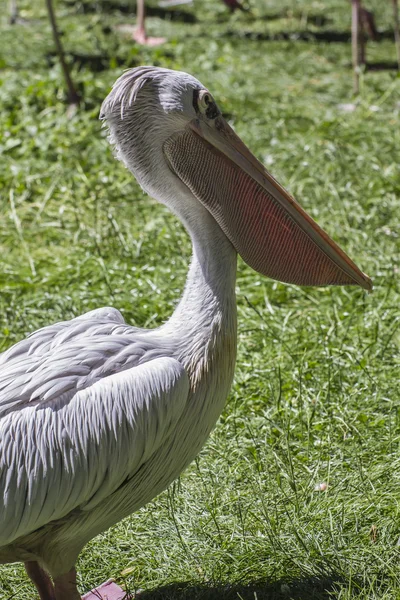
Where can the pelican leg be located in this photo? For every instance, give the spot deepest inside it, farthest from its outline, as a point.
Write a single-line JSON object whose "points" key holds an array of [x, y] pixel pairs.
{"points": [[140, 35], [41, 579], [65, 586]]}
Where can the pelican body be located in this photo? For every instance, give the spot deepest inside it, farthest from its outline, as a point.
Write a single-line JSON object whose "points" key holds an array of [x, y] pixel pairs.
{"points": [[98, 417]]}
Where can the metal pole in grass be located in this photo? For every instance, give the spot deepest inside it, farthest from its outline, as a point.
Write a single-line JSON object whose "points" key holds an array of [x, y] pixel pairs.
{"points": [[396, 30], [73, 96], [355, 38]]}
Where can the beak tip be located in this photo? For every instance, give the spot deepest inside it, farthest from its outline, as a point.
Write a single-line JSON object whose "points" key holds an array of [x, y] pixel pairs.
{"points": [[369, 286]]}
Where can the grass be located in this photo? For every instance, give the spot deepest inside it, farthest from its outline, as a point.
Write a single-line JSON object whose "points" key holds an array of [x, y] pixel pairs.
{"points": [[315, 398]]}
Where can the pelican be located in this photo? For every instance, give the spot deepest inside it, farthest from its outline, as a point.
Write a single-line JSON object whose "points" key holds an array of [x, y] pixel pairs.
{"points": [[98, 417]]}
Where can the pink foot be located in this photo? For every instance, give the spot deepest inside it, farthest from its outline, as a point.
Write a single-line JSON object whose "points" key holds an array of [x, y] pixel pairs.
{"points": [[108, 590], [139, 35]]}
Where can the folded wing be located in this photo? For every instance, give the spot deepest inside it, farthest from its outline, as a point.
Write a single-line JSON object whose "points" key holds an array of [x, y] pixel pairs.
{"points": [[69, 438]]}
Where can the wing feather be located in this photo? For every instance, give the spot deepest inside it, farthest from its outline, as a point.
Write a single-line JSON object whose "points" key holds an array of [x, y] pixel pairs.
{"points": [[61, 359], [57, 458]]}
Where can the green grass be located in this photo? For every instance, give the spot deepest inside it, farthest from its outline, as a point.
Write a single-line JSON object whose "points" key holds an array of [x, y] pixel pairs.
{"points": [[315, 398]]}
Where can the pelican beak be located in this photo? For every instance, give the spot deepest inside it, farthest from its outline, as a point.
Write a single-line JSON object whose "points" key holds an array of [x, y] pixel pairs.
{"points": [[267, 227]]}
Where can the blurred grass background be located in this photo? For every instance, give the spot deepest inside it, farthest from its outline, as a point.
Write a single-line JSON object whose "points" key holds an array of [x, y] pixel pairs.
{"points": [[315, 403]]}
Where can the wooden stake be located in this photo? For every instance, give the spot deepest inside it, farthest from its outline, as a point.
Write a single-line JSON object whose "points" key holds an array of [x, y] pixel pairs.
{"points": [[396, 30], [361, 35], [13, 12], [355, 37], [73, 96]]}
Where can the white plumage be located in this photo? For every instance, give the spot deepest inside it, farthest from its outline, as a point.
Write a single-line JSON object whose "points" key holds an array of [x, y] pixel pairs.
{"points": [[96, 416]]}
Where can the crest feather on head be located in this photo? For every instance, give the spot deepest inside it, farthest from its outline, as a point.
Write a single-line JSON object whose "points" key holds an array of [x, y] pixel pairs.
{"points": [[125, 90]]}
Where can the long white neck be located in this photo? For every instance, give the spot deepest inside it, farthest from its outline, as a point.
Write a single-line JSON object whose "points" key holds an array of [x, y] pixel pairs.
{"points": [[205, 318]]}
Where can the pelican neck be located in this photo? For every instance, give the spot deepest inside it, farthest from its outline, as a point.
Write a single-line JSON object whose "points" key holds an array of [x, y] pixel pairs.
{"points": [[210, 285]]}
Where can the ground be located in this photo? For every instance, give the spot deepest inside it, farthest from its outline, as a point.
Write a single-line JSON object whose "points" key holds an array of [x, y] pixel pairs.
{"points": [[296, 494]]}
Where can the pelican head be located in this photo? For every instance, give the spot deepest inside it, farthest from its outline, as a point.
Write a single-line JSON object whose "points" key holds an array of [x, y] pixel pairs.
{"points": [[168, 130], [147, 106]]}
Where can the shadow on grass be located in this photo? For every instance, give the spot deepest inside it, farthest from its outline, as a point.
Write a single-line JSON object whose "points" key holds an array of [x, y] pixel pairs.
{"points": [[329, 36], [111, 6], [384, 65], [94, 62], [318, 588], [317, 20]]}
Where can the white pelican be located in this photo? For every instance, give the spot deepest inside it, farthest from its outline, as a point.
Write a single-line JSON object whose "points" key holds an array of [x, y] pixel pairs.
{"points": [[98, 417]]}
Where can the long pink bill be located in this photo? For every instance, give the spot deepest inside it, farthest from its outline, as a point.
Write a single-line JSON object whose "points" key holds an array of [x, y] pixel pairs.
{"points": [[268, 228]]}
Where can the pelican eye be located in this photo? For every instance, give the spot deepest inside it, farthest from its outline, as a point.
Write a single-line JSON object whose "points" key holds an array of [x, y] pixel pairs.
{"points": [[204, 103], [205, 100]]}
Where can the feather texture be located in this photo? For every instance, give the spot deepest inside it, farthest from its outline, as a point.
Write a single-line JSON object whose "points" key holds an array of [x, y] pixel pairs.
{"points": [[97, 417], [77, 432]]}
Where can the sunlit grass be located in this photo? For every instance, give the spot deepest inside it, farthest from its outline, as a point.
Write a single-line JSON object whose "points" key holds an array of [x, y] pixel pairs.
{"points": [[296, 494]]}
